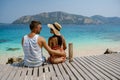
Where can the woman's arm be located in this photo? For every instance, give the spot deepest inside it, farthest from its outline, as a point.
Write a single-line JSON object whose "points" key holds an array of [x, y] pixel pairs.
{"points": [[49, 43], [64, 43]]}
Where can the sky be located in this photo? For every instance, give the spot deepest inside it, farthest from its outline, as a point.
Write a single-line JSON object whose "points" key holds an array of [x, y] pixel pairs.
{"points": [[11, 10]]}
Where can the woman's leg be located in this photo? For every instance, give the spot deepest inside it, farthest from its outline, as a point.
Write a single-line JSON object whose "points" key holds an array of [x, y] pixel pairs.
{"points": [[57, 60]]}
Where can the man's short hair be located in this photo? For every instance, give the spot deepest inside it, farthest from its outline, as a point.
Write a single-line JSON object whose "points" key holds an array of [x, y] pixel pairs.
{"points": [[34, 24]]}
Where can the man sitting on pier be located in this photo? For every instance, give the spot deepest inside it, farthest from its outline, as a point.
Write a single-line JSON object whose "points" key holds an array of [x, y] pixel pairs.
{"points": [[32, 46]]}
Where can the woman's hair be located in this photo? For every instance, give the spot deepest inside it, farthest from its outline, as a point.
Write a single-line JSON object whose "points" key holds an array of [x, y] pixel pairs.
{"points": [[59, 38]]}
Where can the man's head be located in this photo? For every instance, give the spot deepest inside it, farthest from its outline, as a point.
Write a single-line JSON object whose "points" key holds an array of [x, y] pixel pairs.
{"points": [[35, 26]]}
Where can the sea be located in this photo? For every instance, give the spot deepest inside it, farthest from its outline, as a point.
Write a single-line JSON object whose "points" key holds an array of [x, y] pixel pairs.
{"points": [[86, 39]]}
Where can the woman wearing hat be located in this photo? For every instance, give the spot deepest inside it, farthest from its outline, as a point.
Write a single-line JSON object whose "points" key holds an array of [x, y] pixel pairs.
{"points": [[56, 42]]}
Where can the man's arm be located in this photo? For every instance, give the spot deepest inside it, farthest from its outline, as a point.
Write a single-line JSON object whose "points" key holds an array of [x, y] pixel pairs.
{"points": [[52, 52]]}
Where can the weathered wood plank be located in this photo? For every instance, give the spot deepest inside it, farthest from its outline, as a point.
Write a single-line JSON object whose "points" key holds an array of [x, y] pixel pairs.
{"points": [[1, 67], [57, 71], [71, 75], [47, 73], [109, 73], [113, 57], [12, 74], [113, 72], [113, 60], [91, 75], [17, 75], [35, 71], [23, 73], [54, 78], [40, 71], [29, 71], [102, 67], [95, 69], [52, 72], [42, 77], [4, 71], [7, 72], [78, 76], [29, 74], [108, 63], [64, 74], [81, 72]]}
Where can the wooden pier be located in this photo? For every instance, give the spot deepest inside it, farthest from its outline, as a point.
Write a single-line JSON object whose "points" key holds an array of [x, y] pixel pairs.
{"points": [[102, 67]]}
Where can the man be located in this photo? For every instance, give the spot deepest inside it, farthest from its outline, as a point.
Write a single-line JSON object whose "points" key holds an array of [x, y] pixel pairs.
{"points": [[32, 46]]}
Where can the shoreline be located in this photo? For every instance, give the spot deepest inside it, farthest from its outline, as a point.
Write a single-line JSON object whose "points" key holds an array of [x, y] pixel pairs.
{"points": [[79, 52]]}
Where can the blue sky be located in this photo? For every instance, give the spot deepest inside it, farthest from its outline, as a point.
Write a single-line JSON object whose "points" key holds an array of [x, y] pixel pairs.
{"points": [[10, 10]]}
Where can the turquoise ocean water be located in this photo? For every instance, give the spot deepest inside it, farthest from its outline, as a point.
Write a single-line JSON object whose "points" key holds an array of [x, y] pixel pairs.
{"points": [[84, 37]]}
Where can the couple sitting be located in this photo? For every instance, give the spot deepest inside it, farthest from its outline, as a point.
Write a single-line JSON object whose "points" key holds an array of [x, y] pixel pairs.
{"points": [[32, 45]]}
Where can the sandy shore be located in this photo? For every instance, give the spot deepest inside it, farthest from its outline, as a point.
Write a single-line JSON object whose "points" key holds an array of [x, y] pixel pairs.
{"points": [[78, 52]]}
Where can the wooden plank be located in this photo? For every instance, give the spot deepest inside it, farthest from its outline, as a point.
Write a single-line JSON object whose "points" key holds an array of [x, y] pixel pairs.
{"points": [[47, 73], [91, 75], [29, 74], [78, 76], [112, 60], [71, 75], [52, 72], [64, 74], [116, 56], [34, 78], [42, 77], [1, 67], [92, 69], [12, 74], [110, 68], [83, 74], [28, 77], [95, 69], [109, 73], [23, 73], [47, 76], [29, 71], [96, 75], [6, 73], [108, 63], [17, 75], [60, 77], [54, 78], [35, 71], [99, 68], [40, 71]]}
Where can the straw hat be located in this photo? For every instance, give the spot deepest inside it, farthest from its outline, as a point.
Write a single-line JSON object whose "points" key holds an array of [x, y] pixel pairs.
{"points": [[55, 27]]}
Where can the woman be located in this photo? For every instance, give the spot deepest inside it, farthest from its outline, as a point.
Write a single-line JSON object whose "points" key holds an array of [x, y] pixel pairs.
{"points": [[56, 42]]}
